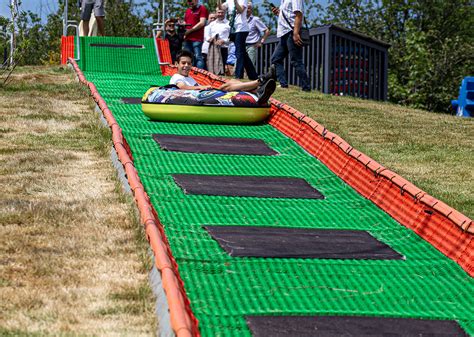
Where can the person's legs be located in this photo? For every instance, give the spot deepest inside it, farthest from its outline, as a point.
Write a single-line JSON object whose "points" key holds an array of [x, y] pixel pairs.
{"points": [[197, 50], [188, 45], [99, 12], [278, 57], [86, 12], [240, 53], [248, 66], [252, 53], [296, 55], [224, 54]]}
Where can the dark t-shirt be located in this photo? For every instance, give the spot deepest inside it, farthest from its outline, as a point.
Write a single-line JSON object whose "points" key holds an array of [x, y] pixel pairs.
{"points": [[175, 42], [191, 18]]}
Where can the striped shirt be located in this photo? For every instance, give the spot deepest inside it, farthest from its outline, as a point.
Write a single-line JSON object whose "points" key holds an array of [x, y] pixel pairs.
{"points": [[289, 7]]}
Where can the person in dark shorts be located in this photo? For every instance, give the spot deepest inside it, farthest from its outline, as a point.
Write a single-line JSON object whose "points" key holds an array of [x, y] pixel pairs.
{"points": [[87, 6]]}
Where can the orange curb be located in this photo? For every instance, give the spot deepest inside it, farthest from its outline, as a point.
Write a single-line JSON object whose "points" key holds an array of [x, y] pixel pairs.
{"points": [[183, 321], [447, 229]]}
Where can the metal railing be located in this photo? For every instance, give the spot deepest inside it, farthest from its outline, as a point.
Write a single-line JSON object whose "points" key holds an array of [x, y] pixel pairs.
{"points": [[338, 61]]}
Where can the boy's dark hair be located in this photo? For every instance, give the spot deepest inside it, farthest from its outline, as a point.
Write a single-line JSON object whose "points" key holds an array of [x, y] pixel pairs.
{"points": [[184, 53]]}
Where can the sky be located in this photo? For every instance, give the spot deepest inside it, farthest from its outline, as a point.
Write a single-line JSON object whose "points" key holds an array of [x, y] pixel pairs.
{"points": [[45, 7]]}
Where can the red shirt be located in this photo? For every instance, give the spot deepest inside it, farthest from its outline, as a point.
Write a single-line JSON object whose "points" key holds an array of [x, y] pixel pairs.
{"points": [[191, 18]]}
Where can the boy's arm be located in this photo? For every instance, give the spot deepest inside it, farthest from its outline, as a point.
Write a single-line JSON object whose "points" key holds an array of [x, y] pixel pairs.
{"points": [[184, 86]]}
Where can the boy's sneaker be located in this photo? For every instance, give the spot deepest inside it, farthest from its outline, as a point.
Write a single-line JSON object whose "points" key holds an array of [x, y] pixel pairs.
{"points": [[265, 90], [270, 74]]}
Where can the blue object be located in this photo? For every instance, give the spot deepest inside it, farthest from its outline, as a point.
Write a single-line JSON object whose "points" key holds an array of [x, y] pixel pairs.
{"points": [[464, 105]]}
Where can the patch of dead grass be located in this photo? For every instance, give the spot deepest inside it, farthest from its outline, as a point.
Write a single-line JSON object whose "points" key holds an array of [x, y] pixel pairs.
{"points": [[71, 260]]}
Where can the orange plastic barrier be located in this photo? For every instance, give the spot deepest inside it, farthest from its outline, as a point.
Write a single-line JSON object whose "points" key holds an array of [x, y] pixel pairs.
{"points": [[183, 321], [67, 48], [164, 51], [448, 230], [445, 228]]}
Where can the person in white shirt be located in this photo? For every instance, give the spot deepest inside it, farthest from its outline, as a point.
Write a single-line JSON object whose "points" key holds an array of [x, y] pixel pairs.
{"points": [[258, 33], [205, 43], [290, 42], [218, 34], [237, 14], [264, 86]]}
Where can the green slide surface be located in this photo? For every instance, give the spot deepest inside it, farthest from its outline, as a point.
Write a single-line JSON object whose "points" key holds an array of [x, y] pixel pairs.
{"points": [[223, 290]]}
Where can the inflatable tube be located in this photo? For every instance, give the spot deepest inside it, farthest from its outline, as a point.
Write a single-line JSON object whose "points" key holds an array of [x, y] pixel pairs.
{"points": [[170, 104]]}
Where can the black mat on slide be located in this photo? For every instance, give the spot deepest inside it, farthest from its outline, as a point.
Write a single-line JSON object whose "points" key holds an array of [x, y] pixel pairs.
{"points": [[272, 242], [246, 186], [132, 100], [337, 326], [110, 45], [214, 145]]}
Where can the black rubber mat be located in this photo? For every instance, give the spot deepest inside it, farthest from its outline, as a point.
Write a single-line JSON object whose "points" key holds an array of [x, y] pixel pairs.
{"points": [[214, 145], [273, 242], [109, 45], [336, 326], [132, 100], [247, 186]]}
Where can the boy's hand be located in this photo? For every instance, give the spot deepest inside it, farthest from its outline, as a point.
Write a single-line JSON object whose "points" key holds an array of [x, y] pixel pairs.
{"points": [[276, 10]]}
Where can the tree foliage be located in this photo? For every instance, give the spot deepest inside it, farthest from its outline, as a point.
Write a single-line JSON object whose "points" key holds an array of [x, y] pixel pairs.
{"points": [[432, 44]]}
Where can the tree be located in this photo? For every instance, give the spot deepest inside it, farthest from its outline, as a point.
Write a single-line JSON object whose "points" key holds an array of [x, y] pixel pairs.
{"points": [[432, 44]]}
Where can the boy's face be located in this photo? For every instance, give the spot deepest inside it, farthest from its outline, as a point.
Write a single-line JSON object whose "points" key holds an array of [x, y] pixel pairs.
{"points": [[184, 65]]}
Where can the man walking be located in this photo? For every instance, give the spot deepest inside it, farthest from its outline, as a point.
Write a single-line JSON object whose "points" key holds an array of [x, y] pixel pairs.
{"points": [[258, 33], [290, 19], [195, 20], [99, 12]]}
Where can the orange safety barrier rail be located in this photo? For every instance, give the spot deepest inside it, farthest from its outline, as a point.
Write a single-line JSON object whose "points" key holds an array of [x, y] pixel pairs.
{"points": [[164, 51], [448, 230], [67, 48], [183, 321]]}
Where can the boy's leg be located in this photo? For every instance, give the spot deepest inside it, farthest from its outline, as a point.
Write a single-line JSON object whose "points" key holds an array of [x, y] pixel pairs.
{"points": [[236, 85]]}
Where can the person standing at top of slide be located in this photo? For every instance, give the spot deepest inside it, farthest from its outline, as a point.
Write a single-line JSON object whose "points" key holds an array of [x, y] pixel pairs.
{"points": [[237, 14], [99, 12], [195, 20], [290, 19]]}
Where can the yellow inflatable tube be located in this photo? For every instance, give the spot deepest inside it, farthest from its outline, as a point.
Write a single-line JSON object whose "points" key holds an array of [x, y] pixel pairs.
{"points": [[205, 106]]}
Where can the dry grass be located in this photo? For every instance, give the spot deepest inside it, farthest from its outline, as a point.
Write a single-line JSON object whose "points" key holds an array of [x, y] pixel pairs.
{"points": [[433, 151], [73, 261]]}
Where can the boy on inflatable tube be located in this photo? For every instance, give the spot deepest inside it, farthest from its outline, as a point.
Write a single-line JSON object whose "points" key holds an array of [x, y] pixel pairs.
{"points": [[263, 87]]}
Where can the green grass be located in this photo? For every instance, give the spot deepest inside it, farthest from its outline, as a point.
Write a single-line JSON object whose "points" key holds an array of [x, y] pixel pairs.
{"points": [[433, 151]]}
